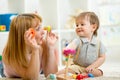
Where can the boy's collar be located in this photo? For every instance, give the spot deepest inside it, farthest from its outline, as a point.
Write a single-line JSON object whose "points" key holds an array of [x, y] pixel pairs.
{"points": [[85, 40]]}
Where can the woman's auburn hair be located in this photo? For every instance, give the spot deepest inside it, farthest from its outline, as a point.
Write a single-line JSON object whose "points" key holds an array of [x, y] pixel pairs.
{"points": [[14, 53]]}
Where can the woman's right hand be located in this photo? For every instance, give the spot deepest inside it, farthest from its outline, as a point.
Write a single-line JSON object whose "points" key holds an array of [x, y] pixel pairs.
{"points": [[30, 40], [51, 39]]}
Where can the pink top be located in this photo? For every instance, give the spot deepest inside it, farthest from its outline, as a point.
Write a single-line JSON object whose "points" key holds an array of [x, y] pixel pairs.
{"points": [[9, 71]]}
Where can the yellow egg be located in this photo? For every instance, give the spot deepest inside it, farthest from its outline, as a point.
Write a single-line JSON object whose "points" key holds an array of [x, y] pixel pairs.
{"points": [[48, 28], [74, 76]]}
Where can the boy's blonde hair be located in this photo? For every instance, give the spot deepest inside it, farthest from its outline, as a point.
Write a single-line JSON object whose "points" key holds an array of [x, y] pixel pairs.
{"points": [[92, 17]]}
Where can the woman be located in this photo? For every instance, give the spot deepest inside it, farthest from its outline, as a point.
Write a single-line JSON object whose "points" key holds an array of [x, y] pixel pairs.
{"points": [[26, 55]]}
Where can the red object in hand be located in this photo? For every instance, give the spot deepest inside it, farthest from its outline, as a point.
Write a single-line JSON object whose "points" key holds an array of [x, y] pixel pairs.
{"points": [[79, 76], [32, 31]]}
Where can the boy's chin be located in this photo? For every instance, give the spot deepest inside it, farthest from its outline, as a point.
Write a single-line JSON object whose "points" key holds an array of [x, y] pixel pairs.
{"points": [[81, 36]]}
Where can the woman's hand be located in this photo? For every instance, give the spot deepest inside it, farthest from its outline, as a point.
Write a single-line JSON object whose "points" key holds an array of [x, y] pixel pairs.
{"points": [[51, 39], [30, 40]]}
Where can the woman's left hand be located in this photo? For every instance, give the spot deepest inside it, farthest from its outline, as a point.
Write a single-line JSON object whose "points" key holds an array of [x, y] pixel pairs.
{"points": [[51, 39]]}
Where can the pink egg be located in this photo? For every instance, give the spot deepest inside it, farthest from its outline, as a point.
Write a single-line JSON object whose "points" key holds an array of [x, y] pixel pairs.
{"points": [[69, 51]]}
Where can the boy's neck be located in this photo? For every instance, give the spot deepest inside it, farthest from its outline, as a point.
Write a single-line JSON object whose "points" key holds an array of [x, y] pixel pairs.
{"points": [[90, 37]]}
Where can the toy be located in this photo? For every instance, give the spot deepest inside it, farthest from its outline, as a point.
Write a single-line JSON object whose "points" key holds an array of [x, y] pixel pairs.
{"points": [[51, 77], [48, 28], [90, 75], [81, 76], [68, 53], [32, 31], [74, 76], [2, 28]]}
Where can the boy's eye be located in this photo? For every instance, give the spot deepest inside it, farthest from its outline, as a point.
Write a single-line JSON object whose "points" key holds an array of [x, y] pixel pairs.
{"points": [[82, 24], [77, 25]]}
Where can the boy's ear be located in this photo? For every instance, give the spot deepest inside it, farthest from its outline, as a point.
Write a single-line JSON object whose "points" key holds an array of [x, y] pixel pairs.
{"points": [[94, 27]]}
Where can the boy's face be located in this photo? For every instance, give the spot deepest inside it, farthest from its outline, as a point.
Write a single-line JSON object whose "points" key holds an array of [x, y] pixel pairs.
{"points": [[84, 28]]}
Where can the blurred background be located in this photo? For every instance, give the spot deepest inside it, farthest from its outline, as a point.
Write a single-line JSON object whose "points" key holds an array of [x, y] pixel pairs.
{"points": [[60, 15]]}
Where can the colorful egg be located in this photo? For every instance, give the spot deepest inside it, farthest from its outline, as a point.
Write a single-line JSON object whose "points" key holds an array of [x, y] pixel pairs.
{"points": [[79, 76], [32, 31], [48, 28], [90, 75], [69, 51], [52, 76], [74, 76]]}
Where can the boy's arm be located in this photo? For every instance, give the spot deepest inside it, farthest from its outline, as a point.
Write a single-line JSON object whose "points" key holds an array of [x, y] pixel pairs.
{"points": [[97, 63], [101, 58]]}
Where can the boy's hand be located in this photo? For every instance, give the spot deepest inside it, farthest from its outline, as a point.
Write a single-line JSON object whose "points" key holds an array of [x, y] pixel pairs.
{"points": [[89, 69]]}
